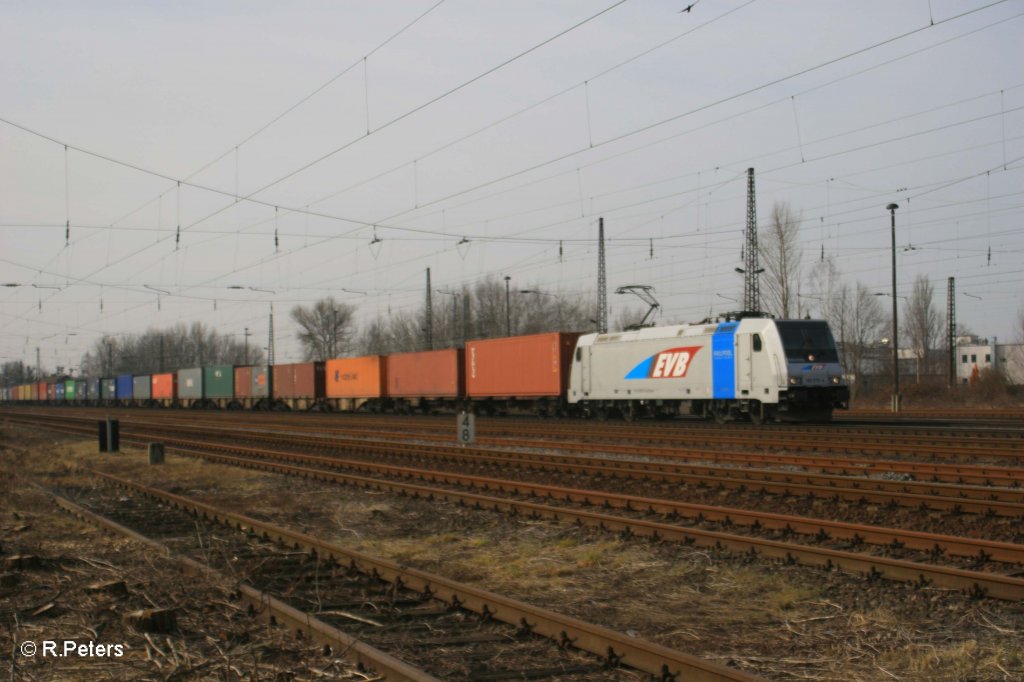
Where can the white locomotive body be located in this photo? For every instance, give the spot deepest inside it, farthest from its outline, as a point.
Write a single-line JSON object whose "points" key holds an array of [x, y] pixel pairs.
{"points": [[753, 367]]}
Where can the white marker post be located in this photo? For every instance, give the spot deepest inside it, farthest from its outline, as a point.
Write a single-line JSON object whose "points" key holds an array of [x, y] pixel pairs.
{"points": [[465, 427]]}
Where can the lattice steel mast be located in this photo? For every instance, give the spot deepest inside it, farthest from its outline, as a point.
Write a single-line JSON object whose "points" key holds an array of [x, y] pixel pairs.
{"points": [[602, 282], [751, 287]]}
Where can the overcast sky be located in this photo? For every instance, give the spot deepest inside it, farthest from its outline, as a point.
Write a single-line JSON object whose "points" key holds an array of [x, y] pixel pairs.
{"points": [[508, 126]]}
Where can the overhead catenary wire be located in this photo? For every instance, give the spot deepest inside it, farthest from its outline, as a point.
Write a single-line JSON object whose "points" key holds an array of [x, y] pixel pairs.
{"points": [[383, 224], [579, 176]]}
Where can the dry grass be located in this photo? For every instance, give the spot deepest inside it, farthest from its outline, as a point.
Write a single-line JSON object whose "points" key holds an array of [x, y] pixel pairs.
{"points": [[214, 639], [785, 622]]}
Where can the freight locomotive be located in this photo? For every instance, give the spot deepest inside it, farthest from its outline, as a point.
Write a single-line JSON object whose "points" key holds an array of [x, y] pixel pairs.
{"points": [[745, 367], [755, 368]]}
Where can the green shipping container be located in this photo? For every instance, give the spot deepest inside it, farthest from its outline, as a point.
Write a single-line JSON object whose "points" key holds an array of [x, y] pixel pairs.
{"points": [[219, 381], [69, 389]]}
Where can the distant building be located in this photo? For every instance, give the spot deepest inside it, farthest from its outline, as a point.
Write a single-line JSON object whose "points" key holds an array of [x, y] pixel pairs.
{"points": [[974, 355]]}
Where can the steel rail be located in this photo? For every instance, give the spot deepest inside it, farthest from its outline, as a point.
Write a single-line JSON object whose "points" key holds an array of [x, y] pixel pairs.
{"points": [[978, 474], [821, 529], [976, 584], [986, 478], [636, 653], [984, 475], [975, 500], [266, 605], [630, 468], [958, 499]]}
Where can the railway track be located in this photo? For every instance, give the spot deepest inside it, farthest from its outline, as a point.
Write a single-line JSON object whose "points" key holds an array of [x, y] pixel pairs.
{"points": [[349, 437], [961, 440], [773, 533], [447, 630]]}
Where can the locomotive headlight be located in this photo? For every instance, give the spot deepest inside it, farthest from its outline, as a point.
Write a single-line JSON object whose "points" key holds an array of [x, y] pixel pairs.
{"points": [[795, 381], [835, 380]]}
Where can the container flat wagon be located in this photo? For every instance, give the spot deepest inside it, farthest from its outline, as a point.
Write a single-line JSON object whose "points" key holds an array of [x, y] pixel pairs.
{"points": [[520, 373], [426, 381], [124, 386], [357, 383], [82, 391], [108, 391], [219, 385], [191, 392], [251, 388], [95, 391], [165, 389], [142, 389], [299, 386]]}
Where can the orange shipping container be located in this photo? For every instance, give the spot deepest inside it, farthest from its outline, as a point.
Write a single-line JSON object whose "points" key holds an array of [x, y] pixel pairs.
{"points": [[303, 380], [519, 366], [429, 374], [362, 377], [243, 382], [165, 386]]}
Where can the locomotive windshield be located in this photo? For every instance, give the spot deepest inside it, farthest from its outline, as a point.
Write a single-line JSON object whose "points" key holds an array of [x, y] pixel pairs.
{"points": [[807, 341]]}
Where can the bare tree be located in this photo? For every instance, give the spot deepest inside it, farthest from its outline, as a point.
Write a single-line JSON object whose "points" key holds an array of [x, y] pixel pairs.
{"points": [[15, 372], [863, 325], [833, 298], [924, 323], [780, 256], [530, 311], [164, 350], [326, 328], [628, 316]]}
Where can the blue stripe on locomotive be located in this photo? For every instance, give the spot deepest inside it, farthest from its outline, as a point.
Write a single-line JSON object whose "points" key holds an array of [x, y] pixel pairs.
{"points": [[723, 360]]}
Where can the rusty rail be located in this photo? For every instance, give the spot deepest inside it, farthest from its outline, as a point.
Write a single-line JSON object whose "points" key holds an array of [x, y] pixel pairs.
{"points": [[267, 606]]}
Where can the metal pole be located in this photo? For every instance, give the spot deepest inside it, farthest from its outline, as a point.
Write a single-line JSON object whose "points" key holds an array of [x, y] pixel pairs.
{"points": [[895, 321], [602, 282], [246, 346], [951, 330], [508, 313], [455, 318], [429, 317]]}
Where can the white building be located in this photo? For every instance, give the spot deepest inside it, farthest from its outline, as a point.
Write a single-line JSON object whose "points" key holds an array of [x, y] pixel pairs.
{"points": [[974, 355]]}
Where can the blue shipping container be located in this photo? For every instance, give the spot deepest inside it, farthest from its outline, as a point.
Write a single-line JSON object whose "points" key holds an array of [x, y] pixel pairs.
{"points": [[124, 387]]}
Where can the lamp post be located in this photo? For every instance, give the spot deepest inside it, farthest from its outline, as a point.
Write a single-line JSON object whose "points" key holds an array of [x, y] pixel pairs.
{"points": [[895, 322], [508, 310]]}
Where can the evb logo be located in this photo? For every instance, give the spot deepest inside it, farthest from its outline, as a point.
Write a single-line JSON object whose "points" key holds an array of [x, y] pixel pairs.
{"points": [[672, 363]]}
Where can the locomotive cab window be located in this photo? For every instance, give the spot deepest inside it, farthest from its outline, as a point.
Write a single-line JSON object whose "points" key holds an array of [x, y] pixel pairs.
{"points": [[807, 341], [757, 343]]}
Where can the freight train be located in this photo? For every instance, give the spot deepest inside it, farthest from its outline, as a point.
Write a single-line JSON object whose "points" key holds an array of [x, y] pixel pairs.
{"points": [[745, 367]]}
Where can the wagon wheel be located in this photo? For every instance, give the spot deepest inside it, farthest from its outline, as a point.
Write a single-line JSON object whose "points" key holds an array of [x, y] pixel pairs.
{"points": [[757, 416], [628, 411], [720, 414], [601, 412]]}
